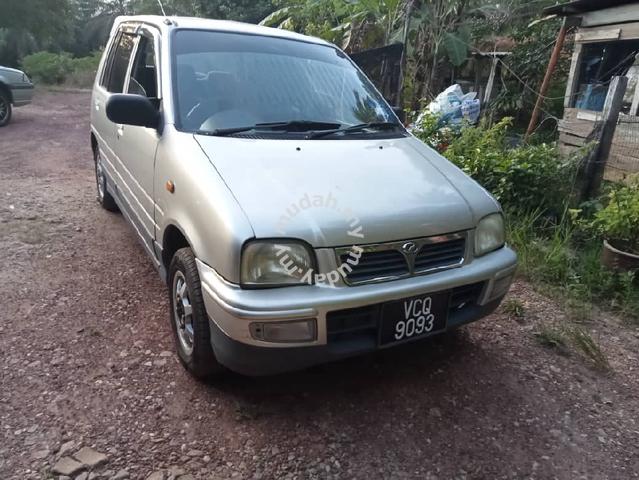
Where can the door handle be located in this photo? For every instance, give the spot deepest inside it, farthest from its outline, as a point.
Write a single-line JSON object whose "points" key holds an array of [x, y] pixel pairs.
{"points": [[120, 131]]}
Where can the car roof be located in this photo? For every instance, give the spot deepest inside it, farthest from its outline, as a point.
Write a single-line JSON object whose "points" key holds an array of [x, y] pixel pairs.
{"points": [[9, 69], [175, 22]]}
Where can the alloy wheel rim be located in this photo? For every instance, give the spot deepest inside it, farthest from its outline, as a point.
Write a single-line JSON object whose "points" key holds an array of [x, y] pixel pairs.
{"points": [[99, 175], [183, 312]]}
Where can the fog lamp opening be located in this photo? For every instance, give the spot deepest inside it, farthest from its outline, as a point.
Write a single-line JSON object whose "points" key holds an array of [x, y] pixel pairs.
{"points": [[285, 332]]}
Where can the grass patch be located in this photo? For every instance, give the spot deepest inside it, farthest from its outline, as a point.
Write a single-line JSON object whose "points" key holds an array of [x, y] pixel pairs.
{"points": [[555, 257], [513, 307], [587, 345], [552, 337], [564, 262]]}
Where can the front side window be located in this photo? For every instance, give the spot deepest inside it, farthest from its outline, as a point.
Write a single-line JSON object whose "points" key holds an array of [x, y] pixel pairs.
{"points": [[229, 80], [120, 63], [143, 80]]}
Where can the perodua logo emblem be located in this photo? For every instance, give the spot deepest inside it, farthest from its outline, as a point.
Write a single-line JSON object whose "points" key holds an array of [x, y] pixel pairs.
{"points": [[409, 247]]}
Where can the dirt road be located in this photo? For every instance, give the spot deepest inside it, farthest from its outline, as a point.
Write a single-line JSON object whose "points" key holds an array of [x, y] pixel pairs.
{"points": [[86, 359]]}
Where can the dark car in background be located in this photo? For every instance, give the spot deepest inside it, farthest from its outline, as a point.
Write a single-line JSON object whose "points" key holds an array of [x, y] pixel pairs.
{"points": [[16, 90]]}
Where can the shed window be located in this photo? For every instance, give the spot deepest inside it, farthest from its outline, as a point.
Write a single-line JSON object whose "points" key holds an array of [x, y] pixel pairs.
{"points": [[599, 63]]}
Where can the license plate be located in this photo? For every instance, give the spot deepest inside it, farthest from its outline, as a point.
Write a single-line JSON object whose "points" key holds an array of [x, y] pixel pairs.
{"points": [[414, 317]]}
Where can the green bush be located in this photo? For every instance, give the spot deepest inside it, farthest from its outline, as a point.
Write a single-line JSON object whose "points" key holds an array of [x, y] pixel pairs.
{"points": [[87, 64], [55, 68], [47, 67], [84, 70], [428, 129], [523, 178], [619, 219]]}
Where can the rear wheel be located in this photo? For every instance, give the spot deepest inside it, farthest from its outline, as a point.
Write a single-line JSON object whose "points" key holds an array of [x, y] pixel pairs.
{"points": [[104, 197], [5, 109], [189, 319]]}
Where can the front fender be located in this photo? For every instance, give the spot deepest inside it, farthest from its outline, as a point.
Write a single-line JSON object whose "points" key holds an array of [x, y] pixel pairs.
{"points": [[201, 205]]}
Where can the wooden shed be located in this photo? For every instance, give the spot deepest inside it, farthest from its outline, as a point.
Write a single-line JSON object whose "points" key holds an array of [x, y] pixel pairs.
{"points": [[606, 45]]}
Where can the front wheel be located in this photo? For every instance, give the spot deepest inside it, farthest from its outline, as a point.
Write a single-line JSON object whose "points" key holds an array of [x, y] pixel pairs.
{"points": [[189, 321], [5, 109]]}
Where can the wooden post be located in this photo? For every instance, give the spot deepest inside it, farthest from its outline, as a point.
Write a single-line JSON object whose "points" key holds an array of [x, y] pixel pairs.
{"points": [[554, 57], [491, 80], [605, 131]]}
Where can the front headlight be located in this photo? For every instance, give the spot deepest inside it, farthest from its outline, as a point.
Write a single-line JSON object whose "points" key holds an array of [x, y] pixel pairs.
{"points": [[273, 263], [489, 234]]}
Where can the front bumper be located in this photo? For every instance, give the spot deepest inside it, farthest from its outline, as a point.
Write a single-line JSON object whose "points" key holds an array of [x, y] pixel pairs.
{"points": [[231, 310]]}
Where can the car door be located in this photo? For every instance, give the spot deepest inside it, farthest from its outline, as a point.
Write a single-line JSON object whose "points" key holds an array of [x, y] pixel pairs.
{"points": [[135, 146], [112, 75]]}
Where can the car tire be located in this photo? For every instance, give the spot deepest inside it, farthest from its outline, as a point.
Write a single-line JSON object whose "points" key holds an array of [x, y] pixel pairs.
{"points": [[189, 320], [104, 197], [5, 109]]}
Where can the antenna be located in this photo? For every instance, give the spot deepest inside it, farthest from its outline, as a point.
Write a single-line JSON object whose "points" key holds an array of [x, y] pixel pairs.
{"points": [[162, 7]]}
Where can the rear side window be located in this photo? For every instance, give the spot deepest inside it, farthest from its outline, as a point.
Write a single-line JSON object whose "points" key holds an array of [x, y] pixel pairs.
{"points": [[119, 63]]}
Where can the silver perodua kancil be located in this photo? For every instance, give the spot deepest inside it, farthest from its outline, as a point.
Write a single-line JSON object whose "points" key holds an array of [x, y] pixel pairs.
{"points": [[292, 216]]}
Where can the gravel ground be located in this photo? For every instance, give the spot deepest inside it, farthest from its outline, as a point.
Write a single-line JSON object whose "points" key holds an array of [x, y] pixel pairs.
{"points": [[90, 386]]}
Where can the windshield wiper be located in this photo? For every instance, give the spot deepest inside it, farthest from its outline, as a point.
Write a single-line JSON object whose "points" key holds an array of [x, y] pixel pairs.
{"points": [[357, 128], [292, 126]]}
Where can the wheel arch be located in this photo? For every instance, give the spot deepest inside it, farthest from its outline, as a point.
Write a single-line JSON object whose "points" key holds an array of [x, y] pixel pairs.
{"points": [[5, 89], [173, 239], [94, 143]]}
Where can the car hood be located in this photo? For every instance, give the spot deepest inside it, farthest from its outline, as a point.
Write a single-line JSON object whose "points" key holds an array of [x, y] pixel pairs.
{"points": [[340, 192]]}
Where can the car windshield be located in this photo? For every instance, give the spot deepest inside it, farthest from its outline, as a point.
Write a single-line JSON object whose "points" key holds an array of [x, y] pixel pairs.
{"points": [[233, 81]]}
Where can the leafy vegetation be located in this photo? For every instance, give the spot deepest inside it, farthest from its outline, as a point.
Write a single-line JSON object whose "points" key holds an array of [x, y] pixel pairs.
{"points": [[80, 27], [528, 60], [47, 67], [555, 255], [619, 220], [56, 68], [518, 177]]}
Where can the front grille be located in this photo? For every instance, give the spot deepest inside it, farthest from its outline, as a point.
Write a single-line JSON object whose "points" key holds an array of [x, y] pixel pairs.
{"points": [[380, 264], [389, 261], [437, 255], [363, 322]]}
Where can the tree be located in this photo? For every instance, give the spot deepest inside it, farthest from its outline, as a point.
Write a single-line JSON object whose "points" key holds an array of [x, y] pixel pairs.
{"points": [[353, 24], [251, 11], [26, 25]]}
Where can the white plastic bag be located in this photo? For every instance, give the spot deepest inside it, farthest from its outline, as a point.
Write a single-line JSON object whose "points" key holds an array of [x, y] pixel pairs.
{"points": [[454, 106]]}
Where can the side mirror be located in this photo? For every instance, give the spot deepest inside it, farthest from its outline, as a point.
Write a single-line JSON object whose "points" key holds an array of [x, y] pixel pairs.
{"points": [[129, 109], [399, 111]]}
